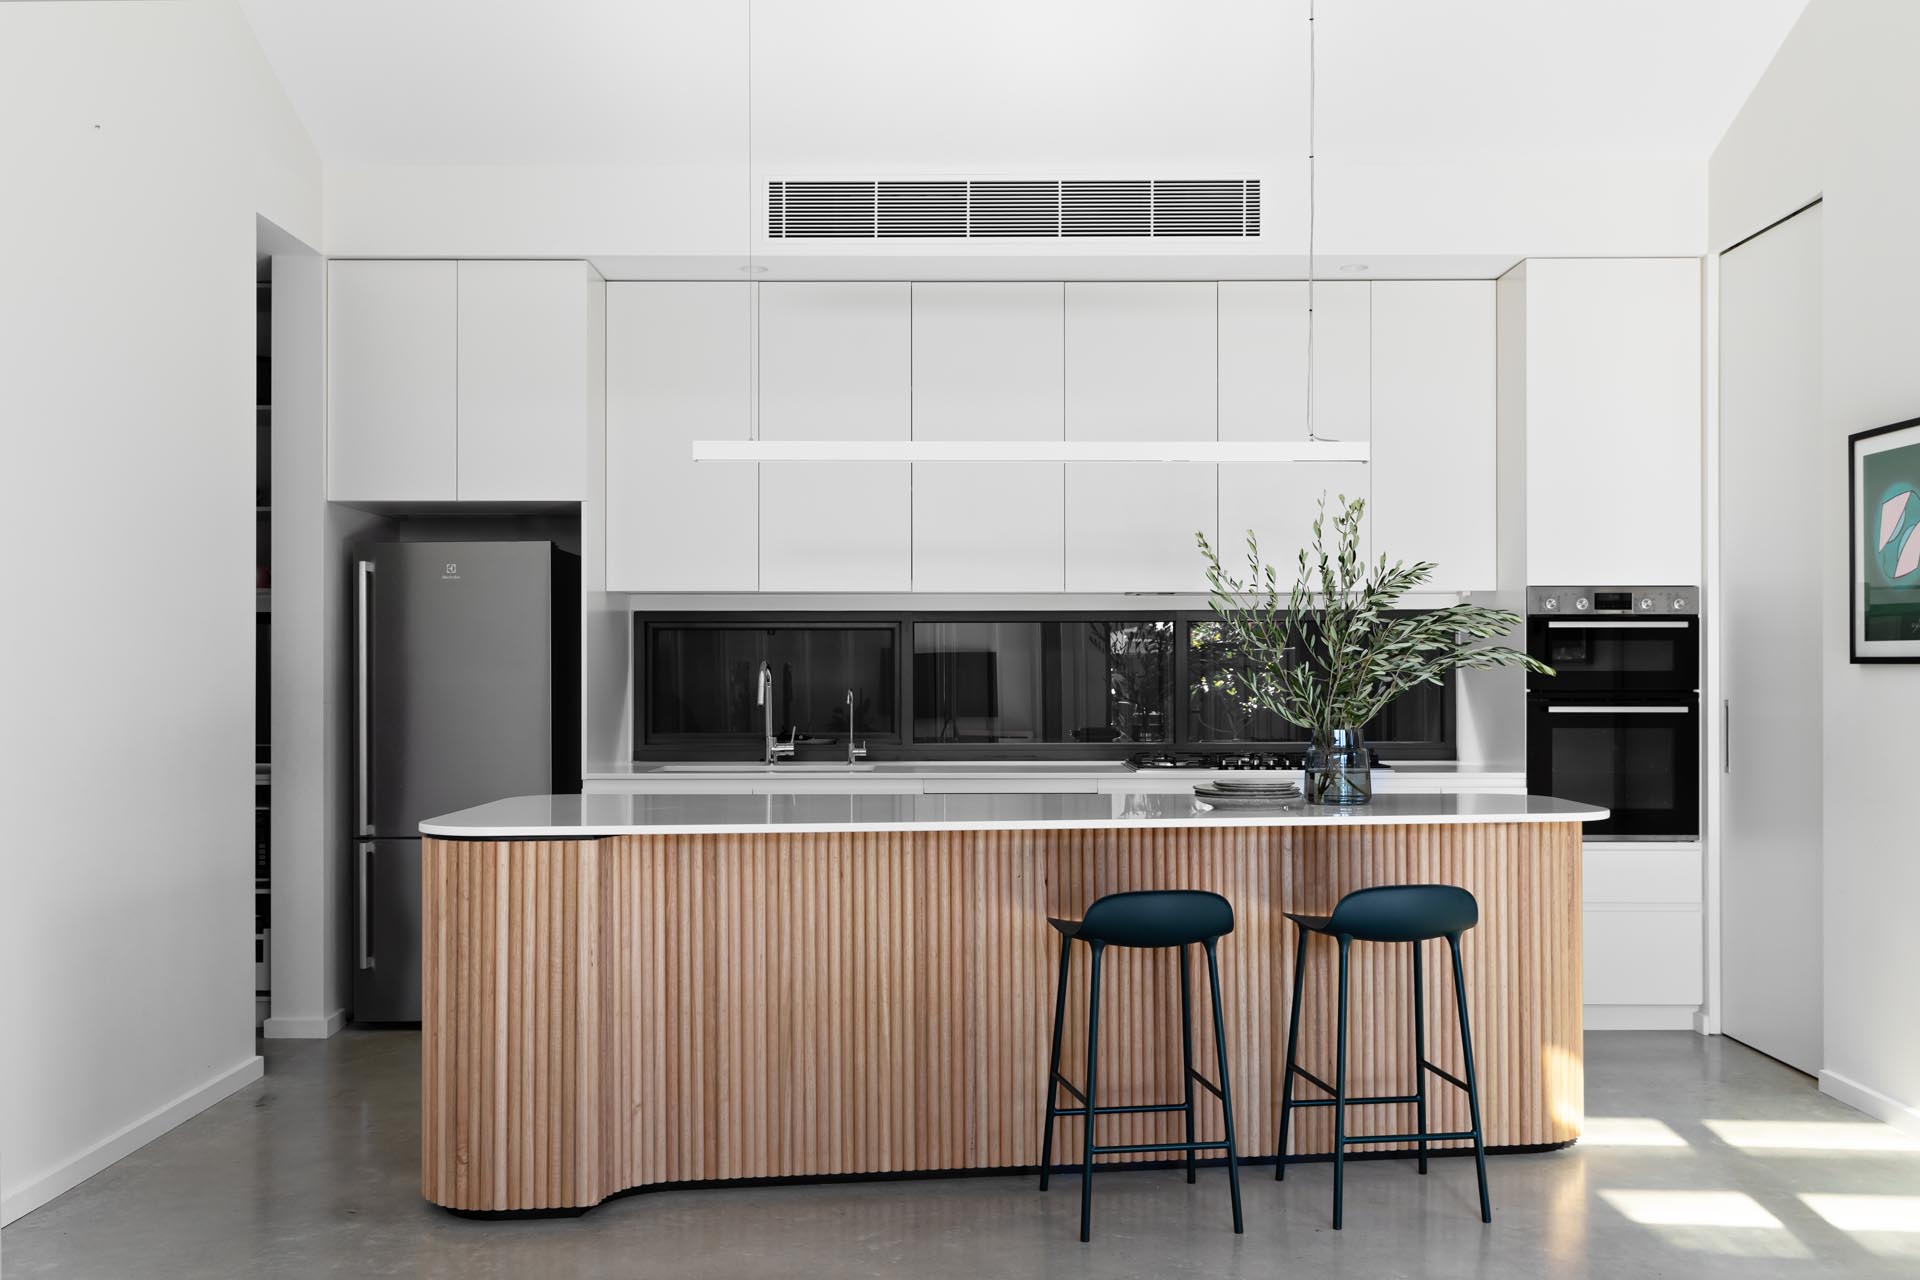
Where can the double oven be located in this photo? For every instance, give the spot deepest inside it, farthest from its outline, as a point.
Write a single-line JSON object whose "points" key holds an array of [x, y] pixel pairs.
{"points": [[1618, 723]]}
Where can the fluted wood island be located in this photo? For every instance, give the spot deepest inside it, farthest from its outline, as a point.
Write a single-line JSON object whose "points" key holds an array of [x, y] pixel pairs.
{"points": [[627, 991]]}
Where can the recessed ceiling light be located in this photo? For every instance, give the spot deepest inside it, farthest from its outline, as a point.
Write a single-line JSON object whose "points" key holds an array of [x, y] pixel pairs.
{"points": [[1354, 268]]}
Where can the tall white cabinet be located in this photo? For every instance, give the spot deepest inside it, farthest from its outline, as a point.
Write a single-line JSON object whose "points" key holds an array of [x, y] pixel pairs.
{"points": [[680, 369], [1140, 365], [1263, 396], [1433, 470], [836, 363], [1600, 416], [988, 364]]}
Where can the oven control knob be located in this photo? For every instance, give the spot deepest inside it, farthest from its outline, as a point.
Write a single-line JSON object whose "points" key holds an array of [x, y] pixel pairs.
{"points": [[1679, 603], [1646, 602], [1552, 604], [1581, 603]]}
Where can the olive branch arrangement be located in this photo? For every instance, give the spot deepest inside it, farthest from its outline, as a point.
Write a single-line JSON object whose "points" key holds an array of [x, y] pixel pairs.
{"points": [[1326, 655]]}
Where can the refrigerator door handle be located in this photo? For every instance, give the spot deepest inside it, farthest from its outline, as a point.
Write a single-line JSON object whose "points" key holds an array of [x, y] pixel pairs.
{"points": [[363, 697], [366, 958]]}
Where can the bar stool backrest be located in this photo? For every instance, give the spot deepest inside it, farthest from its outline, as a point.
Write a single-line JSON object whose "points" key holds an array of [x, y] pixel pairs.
{"points": [[1157, 918], [1404, 913]]}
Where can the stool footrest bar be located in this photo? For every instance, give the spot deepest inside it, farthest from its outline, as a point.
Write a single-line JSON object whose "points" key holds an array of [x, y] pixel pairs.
{"points": [[1355, 1102], [1118, 1111], [1410, 1137], [1162, 1146]]}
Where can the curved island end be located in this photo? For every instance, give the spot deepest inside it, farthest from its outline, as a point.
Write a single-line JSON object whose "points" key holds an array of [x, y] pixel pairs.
{"points": [[628, 991]]}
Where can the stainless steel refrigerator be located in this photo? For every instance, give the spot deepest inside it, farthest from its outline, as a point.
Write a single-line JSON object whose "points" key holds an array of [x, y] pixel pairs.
{"points": [[468, 658]]}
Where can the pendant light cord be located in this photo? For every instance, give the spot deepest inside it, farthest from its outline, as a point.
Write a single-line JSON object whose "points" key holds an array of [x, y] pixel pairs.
{"points": [[1312, 98]]}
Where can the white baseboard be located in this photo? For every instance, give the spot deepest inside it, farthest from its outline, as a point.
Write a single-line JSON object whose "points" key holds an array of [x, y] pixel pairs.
{"points": [[304, 1028], [1640, 1017], [1900, 1115], [19, 1201]]}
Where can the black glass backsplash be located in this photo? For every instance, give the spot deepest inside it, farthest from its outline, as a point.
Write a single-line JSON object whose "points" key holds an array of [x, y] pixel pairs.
{"points": [[1050, 681], [703, 680], [932, 685]]}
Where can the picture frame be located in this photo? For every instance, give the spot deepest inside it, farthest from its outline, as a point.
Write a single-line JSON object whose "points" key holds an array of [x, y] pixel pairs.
{"points": [[1883, 543]]}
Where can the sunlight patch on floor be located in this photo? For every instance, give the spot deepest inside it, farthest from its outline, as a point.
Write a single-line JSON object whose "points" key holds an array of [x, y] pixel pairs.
{"points": [[1726, 1222], [1886, 1225], [1629, 1131], [1814, 1137]]}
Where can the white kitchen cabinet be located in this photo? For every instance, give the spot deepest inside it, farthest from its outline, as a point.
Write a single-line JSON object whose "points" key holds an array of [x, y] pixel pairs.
{"points": [[1140, 365], [988, 364], [836, 363], [527, 331], [1434, 432], [680, 369], [1643, 945], [1263, 396], [1609, 353], [392, 385]]}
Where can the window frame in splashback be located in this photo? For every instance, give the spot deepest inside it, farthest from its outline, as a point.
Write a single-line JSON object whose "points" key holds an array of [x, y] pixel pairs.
{"points": [[901, 745]]}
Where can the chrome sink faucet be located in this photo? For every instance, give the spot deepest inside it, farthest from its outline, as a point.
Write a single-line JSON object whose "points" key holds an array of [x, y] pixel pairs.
{"points": [[776, 749], [853, 752]]}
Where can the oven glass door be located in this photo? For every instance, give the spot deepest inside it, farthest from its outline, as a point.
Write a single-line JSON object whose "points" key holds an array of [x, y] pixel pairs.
{"points": [[1641, 760], [1614, 655]]}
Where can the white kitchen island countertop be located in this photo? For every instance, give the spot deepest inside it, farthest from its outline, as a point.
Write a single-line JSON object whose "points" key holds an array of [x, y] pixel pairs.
{"points": [[574, 817]]}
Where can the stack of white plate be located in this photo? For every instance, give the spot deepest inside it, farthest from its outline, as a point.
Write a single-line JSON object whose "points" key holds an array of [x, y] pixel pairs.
{"points": [[1247, 793]]}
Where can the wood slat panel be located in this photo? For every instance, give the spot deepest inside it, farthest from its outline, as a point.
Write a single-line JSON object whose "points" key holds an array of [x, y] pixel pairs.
{"points": [[639, 1010]]}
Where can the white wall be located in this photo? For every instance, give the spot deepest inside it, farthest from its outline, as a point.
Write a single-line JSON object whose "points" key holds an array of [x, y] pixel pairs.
{"points": [[1838, 115], [139, 142]]}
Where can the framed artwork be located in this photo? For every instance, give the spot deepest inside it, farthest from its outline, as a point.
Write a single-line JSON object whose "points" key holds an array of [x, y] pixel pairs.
{"points": [[1883, 543]]}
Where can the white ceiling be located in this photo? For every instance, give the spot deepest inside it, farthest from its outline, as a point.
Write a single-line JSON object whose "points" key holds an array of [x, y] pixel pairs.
{"points": [[645, 82]]}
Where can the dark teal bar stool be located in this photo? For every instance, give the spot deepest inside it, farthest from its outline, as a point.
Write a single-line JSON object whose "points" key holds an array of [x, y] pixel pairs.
{"points": [[1411, 913], [1153, 918]]}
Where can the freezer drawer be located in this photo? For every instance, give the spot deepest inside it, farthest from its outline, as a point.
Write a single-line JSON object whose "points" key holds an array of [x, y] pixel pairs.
{"points": [[386, 975]]}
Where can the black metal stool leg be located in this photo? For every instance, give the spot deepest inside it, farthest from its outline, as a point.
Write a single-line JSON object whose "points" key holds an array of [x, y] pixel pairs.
{"points": [[1340, 1092], [1053, 1065], [1093, 1094], [1226, 1087], [1293, 1041], [1420, 1048], [1473, 1083], [1186, 1052]]}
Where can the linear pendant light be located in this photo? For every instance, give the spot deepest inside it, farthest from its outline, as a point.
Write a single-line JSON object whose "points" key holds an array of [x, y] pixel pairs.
{"points": [[1313, 449], [1160, 451]]}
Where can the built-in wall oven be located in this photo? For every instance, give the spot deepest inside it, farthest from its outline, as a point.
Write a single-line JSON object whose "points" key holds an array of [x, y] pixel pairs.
{"points": [[1618, 724]]}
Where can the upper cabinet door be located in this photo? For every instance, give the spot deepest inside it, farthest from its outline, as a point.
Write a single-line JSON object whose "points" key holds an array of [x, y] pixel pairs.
{"points": [[1263, 396], [987, 365], [836, 363], [1140, 366], [680, 369], [526, 394], [1434, 428], [392, 334], [1613, 420]]}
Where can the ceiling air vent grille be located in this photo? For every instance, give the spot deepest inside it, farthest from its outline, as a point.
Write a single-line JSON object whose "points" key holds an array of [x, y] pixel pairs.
{"points": [[956, 209]]}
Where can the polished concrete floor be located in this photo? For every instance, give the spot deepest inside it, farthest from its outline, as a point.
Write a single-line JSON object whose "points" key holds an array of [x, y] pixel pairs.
{"points": [[1704, 1159]]}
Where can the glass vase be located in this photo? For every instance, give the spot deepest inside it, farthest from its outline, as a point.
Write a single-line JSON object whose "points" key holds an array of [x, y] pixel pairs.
{"points": [[1339, 769]]}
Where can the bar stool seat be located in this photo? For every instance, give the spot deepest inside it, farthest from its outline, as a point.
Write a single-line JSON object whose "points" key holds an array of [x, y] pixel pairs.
{"points": [[1414, 914], [1146, 919]]}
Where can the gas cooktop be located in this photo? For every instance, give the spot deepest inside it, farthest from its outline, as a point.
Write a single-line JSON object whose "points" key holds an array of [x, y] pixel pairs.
{"points": [[1293, 758], [1216, 759]]}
